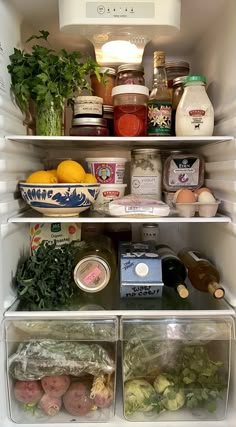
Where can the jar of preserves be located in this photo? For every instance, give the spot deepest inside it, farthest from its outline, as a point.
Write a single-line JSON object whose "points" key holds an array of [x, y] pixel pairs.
{"points": [[130, 110], [130, 74], [194, 114], [178, 90], [146, 172], [88, 106], [104, 87], [95, 264], [175, 69], [108, 114], [87, 126]]}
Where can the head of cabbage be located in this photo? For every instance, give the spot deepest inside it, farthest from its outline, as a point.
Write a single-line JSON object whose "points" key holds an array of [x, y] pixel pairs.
{"points": [[138, 395]]}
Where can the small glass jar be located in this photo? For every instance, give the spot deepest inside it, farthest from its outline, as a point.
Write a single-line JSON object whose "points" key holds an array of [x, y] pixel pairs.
{"points": [[175, 69], [88, 106], [130, 110], [104, 87], [108, 114], [87, 126], [146, 172], [130, 74], [178, 90], [150, 232]]}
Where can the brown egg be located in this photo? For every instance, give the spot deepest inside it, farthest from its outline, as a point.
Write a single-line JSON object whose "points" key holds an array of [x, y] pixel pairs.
{"points": [[200, 190], [185, 196]]}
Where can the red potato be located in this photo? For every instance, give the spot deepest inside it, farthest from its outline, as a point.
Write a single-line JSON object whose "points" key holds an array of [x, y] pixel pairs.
{"points": [[55, 385], [28, 391], [50, 405], [77, 400]]}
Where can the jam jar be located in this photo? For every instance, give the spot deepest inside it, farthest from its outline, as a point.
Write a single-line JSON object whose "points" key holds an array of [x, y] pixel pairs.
{"points": [[130, 74], [104, 87], [108, 114], [88, 106], [88, 126]]}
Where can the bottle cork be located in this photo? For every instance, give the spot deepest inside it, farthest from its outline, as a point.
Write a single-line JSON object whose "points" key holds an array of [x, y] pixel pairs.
{"points": [[182, 291], [216, 290]]}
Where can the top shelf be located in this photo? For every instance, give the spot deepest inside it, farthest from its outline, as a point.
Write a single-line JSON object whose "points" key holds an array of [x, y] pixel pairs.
{"points": [[114, 143]]}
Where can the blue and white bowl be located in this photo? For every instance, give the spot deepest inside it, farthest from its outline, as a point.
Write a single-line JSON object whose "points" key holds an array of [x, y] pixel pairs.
{"points": [[59, 199]]}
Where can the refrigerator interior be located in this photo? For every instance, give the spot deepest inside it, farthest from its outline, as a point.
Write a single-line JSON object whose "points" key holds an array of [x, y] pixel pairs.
{"points": [[206, 40]]}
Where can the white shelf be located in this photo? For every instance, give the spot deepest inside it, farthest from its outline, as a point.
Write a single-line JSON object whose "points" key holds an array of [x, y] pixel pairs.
{"points": [[114, 143], [32, 216]]}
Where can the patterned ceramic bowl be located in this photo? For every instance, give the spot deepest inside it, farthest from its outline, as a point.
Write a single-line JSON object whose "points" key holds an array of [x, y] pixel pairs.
{"points": [[59, 199]]}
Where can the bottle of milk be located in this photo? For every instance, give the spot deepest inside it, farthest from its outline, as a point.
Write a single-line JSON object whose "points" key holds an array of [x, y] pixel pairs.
{"points": [[194, 114]]}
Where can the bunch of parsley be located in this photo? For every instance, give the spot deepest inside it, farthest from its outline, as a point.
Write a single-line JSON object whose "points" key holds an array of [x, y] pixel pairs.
{"points": [[46, 76]]}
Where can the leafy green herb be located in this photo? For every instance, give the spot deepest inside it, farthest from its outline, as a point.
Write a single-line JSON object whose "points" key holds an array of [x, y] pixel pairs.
{"points": [[47, 76], [44, 280]]}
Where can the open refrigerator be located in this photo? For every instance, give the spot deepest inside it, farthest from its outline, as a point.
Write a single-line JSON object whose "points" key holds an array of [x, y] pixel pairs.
{"points": [[206, 40]]}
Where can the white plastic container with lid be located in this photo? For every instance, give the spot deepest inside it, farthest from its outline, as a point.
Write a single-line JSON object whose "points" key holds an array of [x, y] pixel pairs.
{"points": [[194, 114], [130, 110], [108, 170]]}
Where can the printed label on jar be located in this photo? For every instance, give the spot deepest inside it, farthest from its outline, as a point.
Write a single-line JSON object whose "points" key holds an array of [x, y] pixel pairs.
{"points": [[91, 275], [145, 185], [95, 109], [184, 171], [108, 173], [197, 118], [159, 118]]}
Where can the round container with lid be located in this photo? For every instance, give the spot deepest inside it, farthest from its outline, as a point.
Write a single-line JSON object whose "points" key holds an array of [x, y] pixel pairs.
{"points": [[150, 232], [178, 90], [146, 172], [130, 74], [104, 87], [108, 114], [194, 114], [88, 106], [88, 126], [108, 170], [176, 69], [130, 110]]}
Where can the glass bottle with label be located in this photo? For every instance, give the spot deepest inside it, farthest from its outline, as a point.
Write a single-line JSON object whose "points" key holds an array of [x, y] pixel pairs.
{"points": [[173, 270], [194, 114], [202, 273], [159, 104], [95, 267]]}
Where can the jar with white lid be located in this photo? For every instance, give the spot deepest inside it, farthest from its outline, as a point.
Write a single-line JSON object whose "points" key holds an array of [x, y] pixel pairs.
{"points": [[88, 106], [130, 110], [194, 114], [146, 172]]}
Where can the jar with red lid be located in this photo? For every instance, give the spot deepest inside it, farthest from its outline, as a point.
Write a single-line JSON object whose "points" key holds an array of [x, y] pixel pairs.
{"points": [[104, 87], [130, 110], [130, 74], [88, 126]]}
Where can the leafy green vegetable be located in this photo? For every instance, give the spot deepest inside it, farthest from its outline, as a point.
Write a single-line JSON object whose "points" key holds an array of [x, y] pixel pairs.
{"points": [[139, 395], [44, 281], [47, 76]]}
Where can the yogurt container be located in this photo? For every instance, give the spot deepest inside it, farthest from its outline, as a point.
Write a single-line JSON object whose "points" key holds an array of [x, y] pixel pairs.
{"points": [[108, 170], [109, 192]]}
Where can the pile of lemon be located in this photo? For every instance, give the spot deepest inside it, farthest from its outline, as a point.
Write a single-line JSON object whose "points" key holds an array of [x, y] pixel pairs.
{"points": [[68, 171]]}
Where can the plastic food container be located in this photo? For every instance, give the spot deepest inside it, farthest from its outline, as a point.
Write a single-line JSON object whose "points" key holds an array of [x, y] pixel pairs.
{"points": [[183, 357], [108, 170], [88, 126], [130, 110], [109, 192], [104, 87], [74, 355], [206, 210], [183, 171]]}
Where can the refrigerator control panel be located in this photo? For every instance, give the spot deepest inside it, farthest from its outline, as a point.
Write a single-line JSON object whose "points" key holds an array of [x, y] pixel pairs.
{"points": [[120, 10]]}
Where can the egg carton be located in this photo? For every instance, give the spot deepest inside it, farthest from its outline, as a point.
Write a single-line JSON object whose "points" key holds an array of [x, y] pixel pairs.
{"points": [[206, 210]]}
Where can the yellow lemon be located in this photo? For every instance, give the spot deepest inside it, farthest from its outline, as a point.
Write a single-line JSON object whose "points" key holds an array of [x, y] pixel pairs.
{"points": [[41, 177], [53, 172], [90, 179], [70, 171]]}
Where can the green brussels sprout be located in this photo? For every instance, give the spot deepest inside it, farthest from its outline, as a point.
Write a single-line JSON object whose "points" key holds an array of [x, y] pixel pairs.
{"points": [[174, 398], [137, 396], [162, 382]]}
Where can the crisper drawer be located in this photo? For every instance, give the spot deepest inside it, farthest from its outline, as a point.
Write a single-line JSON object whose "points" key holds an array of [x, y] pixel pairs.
{"points": [[59, 371], [176, 369]]}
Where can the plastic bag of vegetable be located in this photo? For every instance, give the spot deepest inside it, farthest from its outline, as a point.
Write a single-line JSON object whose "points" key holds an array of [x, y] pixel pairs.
{"points": [[37, 359], [137, 396]]}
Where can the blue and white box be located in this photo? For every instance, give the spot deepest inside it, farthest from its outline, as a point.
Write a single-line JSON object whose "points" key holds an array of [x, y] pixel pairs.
{"points": [[140, 271]]}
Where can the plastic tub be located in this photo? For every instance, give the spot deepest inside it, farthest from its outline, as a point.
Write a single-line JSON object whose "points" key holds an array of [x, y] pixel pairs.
{"points": [[109, 192], [183, 171], [108, 170]]}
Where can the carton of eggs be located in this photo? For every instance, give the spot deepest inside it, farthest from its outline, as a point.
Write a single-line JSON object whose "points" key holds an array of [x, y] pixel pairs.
{"points": [[201, 201]]}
